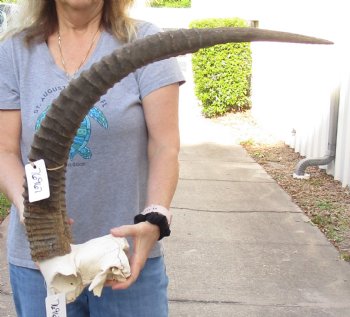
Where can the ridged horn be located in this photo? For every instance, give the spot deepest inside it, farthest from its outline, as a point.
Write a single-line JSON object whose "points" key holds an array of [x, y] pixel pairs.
{"points": [[46, 220]]}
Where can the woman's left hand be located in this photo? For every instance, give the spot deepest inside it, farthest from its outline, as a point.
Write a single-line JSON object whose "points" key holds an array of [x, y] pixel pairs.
{"points": [[144, 235]]}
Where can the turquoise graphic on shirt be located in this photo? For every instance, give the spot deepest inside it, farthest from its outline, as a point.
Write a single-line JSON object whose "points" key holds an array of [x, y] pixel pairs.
{"points": [[82, 137]]}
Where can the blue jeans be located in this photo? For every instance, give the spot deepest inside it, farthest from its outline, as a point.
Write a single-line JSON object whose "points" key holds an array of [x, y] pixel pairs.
{"points": [[147, 297]]}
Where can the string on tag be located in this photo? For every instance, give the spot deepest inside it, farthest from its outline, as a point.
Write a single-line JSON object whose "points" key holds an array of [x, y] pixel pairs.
{"points": [[55, 168], [48, 168]]}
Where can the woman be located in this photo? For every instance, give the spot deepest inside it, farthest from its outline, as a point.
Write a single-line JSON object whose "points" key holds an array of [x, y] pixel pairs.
{"points": [[124, 159]]}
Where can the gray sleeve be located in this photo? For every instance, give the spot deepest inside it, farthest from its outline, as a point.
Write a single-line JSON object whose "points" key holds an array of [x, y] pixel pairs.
{"points": [[9, 90], [158, 74]]}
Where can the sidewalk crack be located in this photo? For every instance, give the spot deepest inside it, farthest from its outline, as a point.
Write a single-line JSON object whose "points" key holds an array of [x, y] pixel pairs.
{"points": [[238, 211]]}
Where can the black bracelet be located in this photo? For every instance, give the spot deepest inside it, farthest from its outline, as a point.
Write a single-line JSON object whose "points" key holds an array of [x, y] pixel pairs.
{"points": [[157, 219]]}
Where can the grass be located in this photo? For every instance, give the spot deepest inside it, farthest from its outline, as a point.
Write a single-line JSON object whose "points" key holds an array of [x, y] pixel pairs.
{"points": [[332, 218], [345, 256], [4, 207], [324, 205], [170, 3]]}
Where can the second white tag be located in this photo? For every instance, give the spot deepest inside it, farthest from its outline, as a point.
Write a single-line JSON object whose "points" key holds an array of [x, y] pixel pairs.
{"points": [[56, 306]]}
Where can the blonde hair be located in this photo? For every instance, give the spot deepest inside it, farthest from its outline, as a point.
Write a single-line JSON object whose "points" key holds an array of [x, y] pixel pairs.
{"points": [[38, 18]]}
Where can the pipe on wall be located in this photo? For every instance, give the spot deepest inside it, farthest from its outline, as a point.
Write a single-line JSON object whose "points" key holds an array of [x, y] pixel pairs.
{"points": [[332, 141]]}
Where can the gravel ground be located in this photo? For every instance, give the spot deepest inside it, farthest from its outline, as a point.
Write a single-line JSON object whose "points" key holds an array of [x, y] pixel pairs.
{"points": [[322, 198]]}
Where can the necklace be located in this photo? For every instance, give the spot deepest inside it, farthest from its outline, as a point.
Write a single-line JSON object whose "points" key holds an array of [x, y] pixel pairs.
{"points": [[70, 77]]}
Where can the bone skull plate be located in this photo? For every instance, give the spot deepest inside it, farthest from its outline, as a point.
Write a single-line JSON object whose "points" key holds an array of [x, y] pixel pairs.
{"points": [[90, 263]]}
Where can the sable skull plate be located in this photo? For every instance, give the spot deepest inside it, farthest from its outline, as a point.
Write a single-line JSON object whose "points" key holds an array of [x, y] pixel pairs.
{"points": [[90, 263]]}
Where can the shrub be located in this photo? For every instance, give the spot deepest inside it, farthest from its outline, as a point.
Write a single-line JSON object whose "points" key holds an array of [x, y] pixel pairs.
{"points": [[222, 72], [170, 3]]}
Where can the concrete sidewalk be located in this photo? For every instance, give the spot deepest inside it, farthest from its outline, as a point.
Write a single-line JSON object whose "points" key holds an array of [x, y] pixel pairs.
{"points": [[239, 246]]}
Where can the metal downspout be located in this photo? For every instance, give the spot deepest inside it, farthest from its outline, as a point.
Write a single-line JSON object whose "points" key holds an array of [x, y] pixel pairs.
{"points": [[332, 141]]}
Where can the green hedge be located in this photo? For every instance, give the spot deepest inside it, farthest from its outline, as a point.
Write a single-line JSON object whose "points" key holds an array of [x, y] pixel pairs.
{"points": [[170, 3], [222, 72]]}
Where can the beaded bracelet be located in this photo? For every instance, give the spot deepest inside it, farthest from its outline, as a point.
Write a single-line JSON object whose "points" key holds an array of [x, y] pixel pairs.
{"points": [[159, 209]]}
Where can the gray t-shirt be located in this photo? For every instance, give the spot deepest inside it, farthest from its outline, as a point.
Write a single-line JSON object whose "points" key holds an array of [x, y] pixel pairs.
{"points": [[107, 166]]}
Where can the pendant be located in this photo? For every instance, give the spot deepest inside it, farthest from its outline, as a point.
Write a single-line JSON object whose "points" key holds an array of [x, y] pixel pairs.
{"points": [[71, 77]]}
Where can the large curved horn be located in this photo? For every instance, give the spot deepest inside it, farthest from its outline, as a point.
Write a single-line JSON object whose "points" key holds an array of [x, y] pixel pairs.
{"points": [[45, 221]]}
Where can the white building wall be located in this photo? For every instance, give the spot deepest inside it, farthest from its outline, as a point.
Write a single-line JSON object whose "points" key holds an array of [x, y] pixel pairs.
{"points": [[341, 167]]}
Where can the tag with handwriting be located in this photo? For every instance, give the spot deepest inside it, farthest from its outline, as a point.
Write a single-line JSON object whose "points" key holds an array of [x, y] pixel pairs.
{"points": [[37, 181], [56, 306]]}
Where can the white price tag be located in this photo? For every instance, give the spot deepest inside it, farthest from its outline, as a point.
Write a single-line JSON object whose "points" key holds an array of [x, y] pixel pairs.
{"points": [[37, 181], [56, 306]]}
